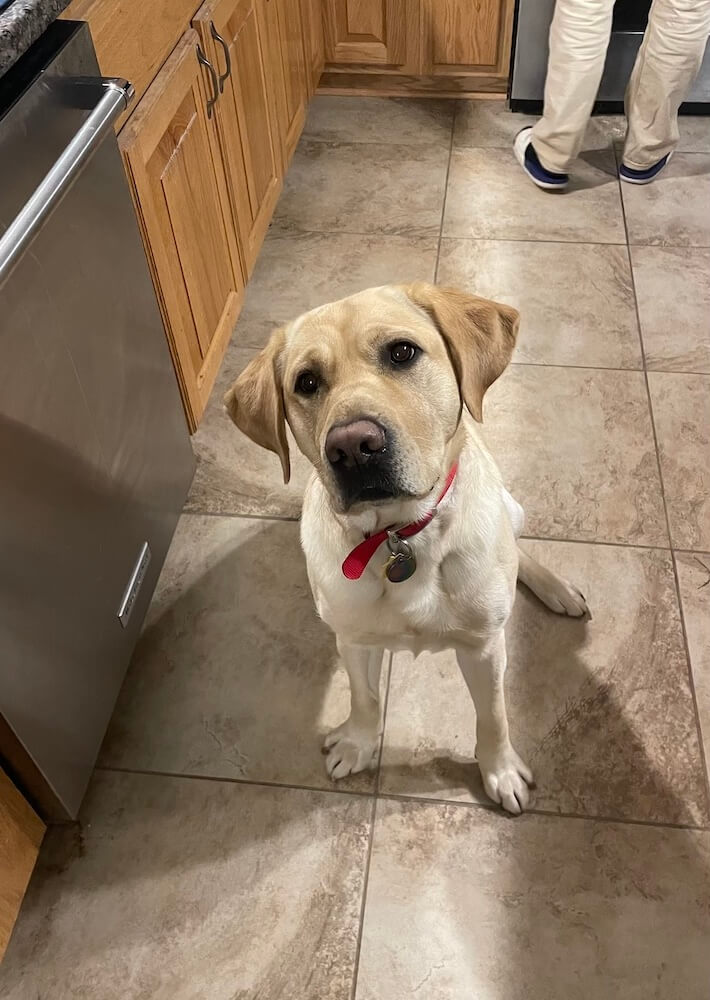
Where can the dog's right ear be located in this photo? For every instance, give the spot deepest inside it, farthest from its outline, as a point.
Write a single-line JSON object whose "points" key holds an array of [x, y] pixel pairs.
{"points": [[255, 402]]}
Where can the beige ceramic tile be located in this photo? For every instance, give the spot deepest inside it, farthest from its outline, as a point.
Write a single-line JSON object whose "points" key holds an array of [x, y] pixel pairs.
{"points": [[296, 273], [489, 124], [176, 889], [490, 197], [694, 579], [694, 134], [463, 903], [602, 710], [233, 475], [673, 211], [234, 675], [576, 301], [575, 447], [403, 120], [364, 188], [681, 411], [673, 293]]}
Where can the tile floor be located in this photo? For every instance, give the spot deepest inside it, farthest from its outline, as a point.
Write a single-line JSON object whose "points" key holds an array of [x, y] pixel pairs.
{"points": [[214, 859]]}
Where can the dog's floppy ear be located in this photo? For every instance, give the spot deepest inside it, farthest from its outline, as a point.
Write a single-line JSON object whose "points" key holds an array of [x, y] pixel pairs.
{"points": [[479, 334], [255, 402]]}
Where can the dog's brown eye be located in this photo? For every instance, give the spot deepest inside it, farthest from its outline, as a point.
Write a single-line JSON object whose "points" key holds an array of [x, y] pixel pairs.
{"points": [[402, 352], [307, 383]]}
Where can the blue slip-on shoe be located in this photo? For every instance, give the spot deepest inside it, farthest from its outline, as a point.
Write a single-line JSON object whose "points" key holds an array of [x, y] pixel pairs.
{"points": [[528, 160], [632, 176]]}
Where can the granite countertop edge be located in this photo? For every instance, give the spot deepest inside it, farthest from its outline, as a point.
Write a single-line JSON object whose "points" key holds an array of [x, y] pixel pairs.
{"points": [[21, 24]]}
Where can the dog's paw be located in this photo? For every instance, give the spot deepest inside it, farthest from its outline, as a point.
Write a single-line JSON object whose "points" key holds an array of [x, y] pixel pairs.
{"points": [[564, 598], [349, 749], [506, 779]]}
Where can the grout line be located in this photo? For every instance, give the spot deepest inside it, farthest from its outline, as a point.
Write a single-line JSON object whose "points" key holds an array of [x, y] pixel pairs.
{"points": [[591, 541], [384, 720], [373, 815], [365, 882], [429, 235], [334, 790], [283, 518], [402, 797], [446, 191], [549, 813], [679, 599], [602, 368], [691, 680]]}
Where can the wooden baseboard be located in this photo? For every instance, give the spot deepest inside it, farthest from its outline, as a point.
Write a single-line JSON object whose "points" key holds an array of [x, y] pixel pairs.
{"points": [[396, 85]]}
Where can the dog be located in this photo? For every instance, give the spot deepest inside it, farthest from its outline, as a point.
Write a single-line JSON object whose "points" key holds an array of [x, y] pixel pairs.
{"points": [[383, 392]]}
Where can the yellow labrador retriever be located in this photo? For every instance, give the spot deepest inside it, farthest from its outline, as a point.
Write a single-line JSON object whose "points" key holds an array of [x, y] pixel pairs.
{"points": [[408, 531]]}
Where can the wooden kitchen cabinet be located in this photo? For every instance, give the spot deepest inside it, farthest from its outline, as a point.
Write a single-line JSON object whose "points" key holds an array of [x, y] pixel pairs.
{"points": [[133, 38], [285, 32], [313, 42], [21, 833], [434, 47], [169, 149], [463, 39], [232, 33], [375, 33]]}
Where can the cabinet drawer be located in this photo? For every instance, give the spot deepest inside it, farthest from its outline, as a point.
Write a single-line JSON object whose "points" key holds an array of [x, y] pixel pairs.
{"points": [[133, 38]]}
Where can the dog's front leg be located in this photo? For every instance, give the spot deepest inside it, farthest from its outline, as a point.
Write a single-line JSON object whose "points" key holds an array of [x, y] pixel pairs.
{"points": [[352, 745], [505, 776]]}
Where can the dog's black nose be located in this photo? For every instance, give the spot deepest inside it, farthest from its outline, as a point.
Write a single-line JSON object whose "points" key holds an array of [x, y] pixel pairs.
{"points": [[354, 444]]}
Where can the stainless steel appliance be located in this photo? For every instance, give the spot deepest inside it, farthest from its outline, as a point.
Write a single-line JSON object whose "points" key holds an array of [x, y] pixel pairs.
{"points": [[94, 449], [530, 51]]}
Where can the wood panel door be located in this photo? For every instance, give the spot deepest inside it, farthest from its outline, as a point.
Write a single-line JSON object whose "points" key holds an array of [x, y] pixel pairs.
{"points": [[313, 43], [285, 31], [460, 38], [21, 833], [232, 33], [372, 33], [169, 149]]}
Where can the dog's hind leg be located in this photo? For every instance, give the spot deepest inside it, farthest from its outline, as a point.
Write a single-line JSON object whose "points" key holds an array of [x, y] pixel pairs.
{"points": [[560, 596]]}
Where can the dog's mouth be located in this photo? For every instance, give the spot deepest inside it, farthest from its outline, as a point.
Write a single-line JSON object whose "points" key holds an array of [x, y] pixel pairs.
{"points": [[371, 494]]}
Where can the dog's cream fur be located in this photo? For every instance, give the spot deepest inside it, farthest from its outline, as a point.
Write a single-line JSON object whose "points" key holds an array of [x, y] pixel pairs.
{"points": [[467, 558]]}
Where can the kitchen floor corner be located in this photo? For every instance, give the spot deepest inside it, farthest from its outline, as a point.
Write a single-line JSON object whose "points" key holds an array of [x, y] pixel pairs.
{"points": [[214, 859]]}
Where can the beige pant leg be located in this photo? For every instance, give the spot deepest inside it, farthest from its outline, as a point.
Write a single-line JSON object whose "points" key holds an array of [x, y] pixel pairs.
{"points": [[579, 37], [667, 63]]}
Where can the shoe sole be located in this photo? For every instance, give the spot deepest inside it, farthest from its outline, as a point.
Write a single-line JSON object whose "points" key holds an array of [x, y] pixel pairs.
{"points": [[644, 180], [519, 146]]}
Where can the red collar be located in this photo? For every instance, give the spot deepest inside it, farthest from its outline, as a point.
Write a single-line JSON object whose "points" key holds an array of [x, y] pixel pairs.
{"points": [[355, 563]]}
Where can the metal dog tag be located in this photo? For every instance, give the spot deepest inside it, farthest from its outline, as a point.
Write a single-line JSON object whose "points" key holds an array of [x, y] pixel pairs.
{"points": [[401, 563]]}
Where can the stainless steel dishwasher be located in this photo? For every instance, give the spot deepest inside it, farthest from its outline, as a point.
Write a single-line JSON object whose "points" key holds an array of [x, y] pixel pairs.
{"points": [[95, 457]]}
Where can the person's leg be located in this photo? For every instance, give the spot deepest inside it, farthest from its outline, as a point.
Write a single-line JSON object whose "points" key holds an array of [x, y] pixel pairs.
{"points": [[666, 65], [579, 37]]}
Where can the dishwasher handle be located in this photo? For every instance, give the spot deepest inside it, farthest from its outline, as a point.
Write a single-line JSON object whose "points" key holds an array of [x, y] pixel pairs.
{"points": [[22, 230]]}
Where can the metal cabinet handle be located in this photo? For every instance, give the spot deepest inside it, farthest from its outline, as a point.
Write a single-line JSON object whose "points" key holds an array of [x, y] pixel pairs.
{"points": [[227, 58], [204, 61], [117, 95]]}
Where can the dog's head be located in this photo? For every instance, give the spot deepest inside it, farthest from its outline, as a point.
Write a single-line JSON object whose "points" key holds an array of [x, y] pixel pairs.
{"points": [[373, 386]]}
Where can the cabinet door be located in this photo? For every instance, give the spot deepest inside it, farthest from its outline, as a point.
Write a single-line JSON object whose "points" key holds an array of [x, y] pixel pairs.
{"points": [[21, 833], [374, 33], [184, 212], [461, 38], [313, 45], [286, 33], [245, 115]]}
